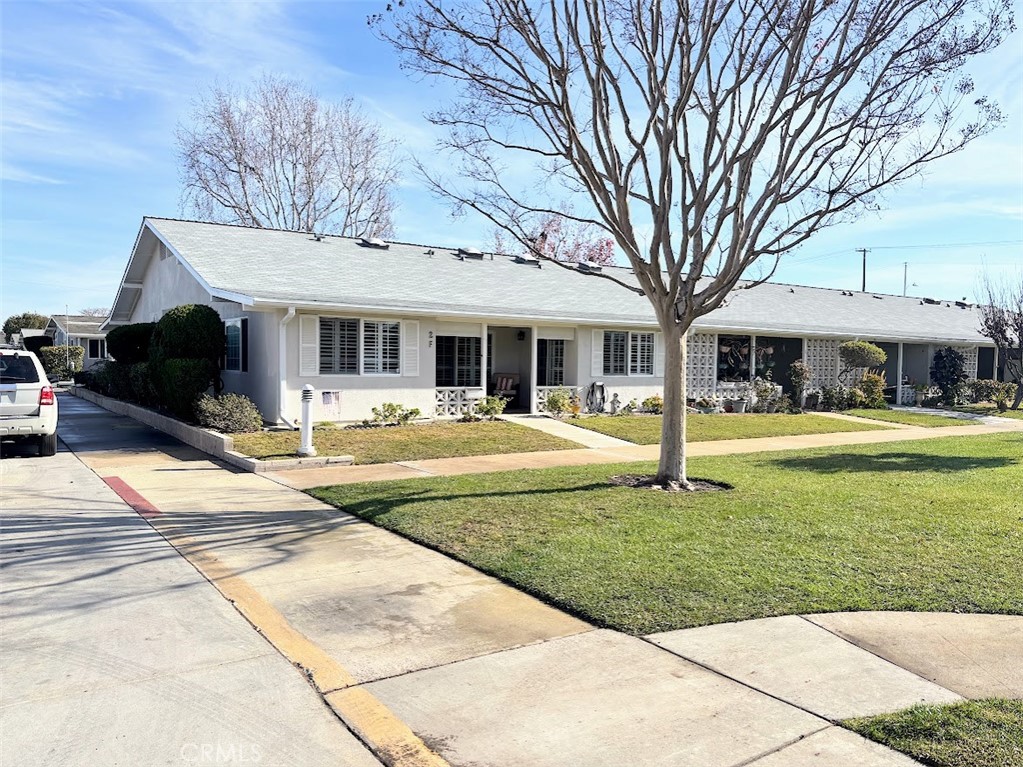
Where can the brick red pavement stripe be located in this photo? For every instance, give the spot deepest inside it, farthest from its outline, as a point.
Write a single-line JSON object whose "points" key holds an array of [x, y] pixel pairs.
{"points": [[132, 497]]}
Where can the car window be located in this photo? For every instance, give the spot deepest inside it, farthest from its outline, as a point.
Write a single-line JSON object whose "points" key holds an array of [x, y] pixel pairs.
{"points": [[17, 369]]}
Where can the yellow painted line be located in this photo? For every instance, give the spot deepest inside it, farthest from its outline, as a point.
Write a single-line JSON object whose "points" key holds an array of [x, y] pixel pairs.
{"points": [[389, 738]]}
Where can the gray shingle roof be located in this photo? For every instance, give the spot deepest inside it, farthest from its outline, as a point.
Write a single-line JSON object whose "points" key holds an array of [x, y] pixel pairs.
{"points": [[293, 267], [78, 324]]}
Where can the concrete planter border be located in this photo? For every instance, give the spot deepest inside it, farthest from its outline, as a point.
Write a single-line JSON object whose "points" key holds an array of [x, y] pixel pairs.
{"points": [[214, 443]]}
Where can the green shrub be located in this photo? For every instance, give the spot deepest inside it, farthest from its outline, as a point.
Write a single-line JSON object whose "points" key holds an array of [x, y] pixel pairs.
{"points": [[861, 354], [129, 344], [765, 395], [140, 387], [18, 322], [834, 398], [228, 413], [557, 402], [948, 373], [855, 398], [35, 344], [491, 406], [192, 331], [394, 413], [986, 390], [61, 362], [654, 404], [179, 382], [872, 385], [116, 380], [800, 374]]}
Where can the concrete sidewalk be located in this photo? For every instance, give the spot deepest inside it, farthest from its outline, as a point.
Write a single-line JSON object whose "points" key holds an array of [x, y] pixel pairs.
{"points": [[303, 479], [479, 673]]}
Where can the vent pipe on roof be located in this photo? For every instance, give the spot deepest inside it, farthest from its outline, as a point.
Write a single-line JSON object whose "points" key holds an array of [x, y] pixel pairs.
{"points": [[474, 253], [373, 242]]}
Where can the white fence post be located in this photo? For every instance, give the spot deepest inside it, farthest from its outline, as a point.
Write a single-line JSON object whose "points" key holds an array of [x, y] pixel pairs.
{"points": [[306, 449]]}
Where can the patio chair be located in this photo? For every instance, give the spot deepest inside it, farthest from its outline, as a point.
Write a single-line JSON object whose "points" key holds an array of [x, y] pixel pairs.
{"points": [[506, 385]]}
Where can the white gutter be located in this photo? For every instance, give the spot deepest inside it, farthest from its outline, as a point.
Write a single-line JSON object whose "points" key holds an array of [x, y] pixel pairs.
{"points": [[282, 367]]}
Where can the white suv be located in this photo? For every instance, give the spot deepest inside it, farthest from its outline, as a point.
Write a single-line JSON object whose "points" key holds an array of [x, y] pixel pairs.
{"points": [[28, 407]]}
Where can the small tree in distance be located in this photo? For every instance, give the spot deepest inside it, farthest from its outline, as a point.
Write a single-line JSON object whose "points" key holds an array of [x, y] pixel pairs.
{"points": [[1001, 318], [16, 322], [562, 239], [276, 156], [701, 137]]}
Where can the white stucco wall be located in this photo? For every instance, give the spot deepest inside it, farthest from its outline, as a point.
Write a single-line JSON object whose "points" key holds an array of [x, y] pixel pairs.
{"points": [[166, 284]]}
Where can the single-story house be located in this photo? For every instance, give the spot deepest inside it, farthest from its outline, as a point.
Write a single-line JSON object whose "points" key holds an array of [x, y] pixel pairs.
{"points": [[367, 322], [79, 330]]}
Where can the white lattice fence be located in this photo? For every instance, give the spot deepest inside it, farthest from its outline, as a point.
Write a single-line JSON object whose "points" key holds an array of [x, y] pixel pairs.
{"points": [[701, 364], [821, 355], [971, 353]]}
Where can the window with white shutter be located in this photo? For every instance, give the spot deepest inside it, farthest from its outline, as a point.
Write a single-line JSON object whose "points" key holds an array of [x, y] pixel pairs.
{"points": [[339, 346], [641, 354], [381, 348]]}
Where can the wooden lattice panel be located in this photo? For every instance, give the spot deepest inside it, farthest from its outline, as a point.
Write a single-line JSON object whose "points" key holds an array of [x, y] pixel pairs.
{"points": [[821, 355], [701, 364]]}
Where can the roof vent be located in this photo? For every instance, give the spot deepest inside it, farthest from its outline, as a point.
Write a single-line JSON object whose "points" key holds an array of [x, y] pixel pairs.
{"points": [[475, 253], [962, 305], [879, 298], [318, 237], [932, 302], [590, 266], [531, 260], [373, 242]]}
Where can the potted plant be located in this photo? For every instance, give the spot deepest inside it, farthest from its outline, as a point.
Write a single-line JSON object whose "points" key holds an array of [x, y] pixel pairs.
{"points": [[921, 392]]}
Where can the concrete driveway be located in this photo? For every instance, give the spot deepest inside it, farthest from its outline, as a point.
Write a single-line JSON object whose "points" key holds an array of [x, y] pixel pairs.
{"points": [[115, 651]]}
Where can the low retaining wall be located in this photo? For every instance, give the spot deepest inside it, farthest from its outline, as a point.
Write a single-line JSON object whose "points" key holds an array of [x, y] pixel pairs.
{"points": [[214, 443]]}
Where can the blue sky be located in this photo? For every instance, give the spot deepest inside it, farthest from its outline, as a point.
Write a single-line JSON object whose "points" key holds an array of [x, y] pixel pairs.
{"points": [[92, 93]]}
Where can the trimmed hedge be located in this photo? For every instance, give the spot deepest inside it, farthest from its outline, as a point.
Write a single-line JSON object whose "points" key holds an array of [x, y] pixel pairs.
{"points": [[191, 331], [179, 382], [55, 361], [228, 413], [129, 344]]}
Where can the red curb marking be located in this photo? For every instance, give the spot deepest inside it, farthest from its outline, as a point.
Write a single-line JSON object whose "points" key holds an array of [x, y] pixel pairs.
{"points": [[132, 497]]}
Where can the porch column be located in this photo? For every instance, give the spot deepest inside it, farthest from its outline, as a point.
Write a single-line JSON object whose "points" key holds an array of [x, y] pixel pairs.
{"points": [[532, 369], [898, 386], [752, 357], [483, 359]]}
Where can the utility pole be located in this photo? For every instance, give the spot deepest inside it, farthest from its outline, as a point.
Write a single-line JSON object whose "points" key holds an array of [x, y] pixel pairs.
{"points": [[905, 274], [864, 251]]}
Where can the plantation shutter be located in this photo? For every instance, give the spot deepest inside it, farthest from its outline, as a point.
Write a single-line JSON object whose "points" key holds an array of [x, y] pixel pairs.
{"points": [[410, 348], [597, 354], [245, 345], [659, 354], [309, 345]]}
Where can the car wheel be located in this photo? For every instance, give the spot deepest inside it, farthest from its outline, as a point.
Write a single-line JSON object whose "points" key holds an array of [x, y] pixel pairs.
{"points": [[48, 444]]}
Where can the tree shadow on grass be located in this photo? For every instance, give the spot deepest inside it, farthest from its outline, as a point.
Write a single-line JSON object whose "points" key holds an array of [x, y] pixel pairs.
{"points": [[892, 461]]}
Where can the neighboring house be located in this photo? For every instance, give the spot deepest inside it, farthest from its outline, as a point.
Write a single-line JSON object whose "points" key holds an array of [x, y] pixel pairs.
{"points": [[79, 330], [367, 322]]}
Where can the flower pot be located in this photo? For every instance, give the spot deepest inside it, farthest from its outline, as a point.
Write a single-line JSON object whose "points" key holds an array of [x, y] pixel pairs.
{"points": [[919, 399], [739, 406]]}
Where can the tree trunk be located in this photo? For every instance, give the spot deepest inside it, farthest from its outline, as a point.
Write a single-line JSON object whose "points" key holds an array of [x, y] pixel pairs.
{"points": [[671, 472]]}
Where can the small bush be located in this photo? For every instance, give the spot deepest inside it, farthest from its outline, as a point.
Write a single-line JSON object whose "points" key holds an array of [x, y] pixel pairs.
{"points": [[129, 344], [179, 382], [491, 406], [141, 384], [557, 402], [861, 354], [394, 413], [114, 380], [765, 395], [872, 386], [800, 374], [986, 390], [192, 331], [61, 362], [228, 413], [834, 398], [855, 398], [654, 404]]}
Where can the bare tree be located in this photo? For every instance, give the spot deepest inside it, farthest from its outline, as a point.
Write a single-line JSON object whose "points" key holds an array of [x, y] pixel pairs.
{"points": [[562, 239], [95, 311], [702, 136], [274, 155], [1001, 320]]}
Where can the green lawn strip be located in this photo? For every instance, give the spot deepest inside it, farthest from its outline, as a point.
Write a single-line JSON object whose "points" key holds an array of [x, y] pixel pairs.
{"points": [[977, 733], [908, 418], [646, 429], [921, 525], [406, 443], [991, 410]]}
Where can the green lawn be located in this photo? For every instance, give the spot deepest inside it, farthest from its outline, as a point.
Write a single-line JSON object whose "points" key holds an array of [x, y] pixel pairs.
{"points": [[646, 429], [405, 443], [921, 525], [908, 418], [986, 409], [980, 733]]}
